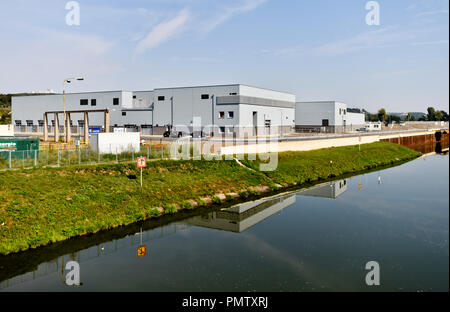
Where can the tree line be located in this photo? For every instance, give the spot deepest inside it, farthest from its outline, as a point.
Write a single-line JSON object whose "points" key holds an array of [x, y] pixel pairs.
{"points": [[431, 115]]}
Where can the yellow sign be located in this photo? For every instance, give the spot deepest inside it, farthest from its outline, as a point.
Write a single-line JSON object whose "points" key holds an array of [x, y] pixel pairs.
{"points": [[141, 251]]}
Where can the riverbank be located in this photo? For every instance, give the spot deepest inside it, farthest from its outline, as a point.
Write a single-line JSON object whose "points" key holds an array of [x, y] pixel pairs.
{"points": [[43, 206]]}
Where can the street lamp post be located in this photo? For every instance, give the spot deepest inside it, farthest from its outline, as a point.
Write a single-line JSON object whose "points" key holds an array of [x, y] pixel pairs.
{"points": [[68, 80]]}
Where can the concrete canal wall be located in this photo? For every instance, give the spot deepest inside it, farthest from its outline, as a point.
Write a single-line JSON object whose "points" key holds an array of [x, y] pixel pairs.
{"points": [[308, 144]]}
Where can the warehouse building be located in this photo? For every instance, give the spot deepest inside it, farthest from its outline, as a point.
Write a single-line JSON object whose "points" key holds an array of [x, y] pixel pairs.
{"points": [[326, 116], [234, 109], [28, 111]]}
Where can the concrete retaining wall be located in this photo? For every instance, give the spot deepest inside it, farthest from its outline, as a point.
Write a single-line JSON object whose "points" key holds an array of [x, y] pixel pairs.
{"points": [[313, 144]]}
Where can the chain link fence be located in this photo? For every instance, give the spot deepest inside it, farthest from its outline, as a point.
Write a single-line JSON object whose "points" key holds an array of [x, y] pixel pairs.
{"points": [[77, 157]]}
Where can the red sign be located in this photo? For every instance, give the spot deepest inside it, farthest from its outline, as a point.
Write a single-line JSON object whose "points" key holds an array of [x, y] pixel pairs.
{"points": [[142, 162], [141, 251]]}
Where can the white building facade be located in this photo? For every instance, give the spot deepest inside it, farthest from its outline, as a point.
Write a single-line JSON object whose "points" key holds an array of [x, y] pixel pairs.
{"points": [[236, 109], [326, 116]]}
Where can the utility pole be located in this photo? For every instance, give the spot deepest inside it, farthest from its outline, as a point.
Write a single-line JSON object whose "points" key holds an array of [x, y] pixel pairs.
{"points": [[171, 114], [68, 80], [212, 113]]}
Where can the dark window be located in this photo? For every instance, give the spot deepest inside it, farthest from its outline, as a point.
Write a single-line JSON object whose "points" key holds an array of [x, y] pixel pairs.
{"points": [[222, 129], [231, 115], [41, 123], [93, 102], [205, 96], [233, 93], [84, 102], [18, 122], [30, 123], [116, 101], [325, 123], [134, 96], [80, 123], [124, 113], [221, 115], [161, 98]]}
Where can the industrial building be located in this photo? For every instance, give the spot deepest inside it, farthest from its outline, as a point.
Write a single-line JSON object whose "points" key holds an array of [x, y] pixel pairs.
{"points": [[234, 109], [326, 116]]}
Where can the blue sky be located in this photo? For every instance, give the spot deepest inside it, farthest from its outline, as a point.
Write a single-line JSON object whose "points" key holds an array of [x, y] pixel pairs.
{"points": [[316, 49]]}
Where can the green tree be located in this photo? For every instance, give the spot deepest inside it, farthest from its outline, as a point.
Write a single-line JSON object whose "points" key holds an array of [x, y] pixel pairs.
{"points": [[409, 117], [431, 114], [382, 115], [438, 115]]}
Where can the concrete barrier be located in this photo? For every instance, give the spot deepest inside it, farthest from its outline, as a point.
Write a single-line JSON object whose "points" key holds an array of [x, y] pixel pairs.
{"points": [[314, 144]]}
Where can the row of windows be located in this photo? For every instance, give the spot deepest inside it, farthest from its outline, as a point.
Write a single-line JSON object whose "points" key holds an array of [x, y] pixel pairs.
{"points": [[84, 102], [203, 97], [342, 111], [161, 98], [222, 115]]}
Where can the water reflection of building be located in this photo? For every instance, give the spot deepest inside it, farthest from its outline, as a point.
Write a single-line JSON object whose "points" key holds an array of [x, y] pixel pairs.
{"points": [[329, 190], [58, 265], [241, 217]]}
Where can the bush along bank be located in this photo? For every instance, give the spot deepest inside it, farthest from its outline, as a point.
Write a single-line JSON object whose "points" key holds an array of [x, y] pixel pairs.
{"points": [[43, 206]]}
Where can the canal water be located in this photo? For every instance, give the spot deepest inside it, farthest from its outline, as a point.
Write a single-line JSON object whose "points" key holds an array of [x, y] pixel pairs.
{"points": [[319, 239]]}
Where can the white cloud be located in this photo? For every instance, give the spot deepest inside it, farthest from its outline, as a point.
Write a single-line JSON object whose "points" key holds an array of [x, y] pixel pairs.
{"points": [[228, 12], [432, 13], [164, 32], [369, 40], [431, 42]]}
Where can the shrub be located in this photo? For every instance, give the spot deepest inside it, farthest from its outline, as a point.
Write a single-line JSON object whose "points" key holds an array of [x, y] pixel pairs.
{"points": [[154, 213], [170, 209], [217, 200], [243, 194], [188, 205]]}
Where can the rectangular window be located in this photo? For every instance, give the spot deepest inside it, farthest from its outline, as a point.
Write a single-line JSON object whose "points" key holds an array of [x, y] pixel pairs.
{"points": [[41, 123], [161, 98], [30, 123], [233, 93], [205, 96], [134, 96], [84, 102], [124, 113], [116, 101], [325, 123], [222, 129], [93, 102], [230, 115], [18, 122], [221, 115]]}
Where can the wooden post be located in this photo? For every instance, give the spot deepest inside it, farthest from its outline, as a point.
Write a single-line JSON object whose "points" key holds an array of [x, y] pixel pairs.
{"points": [[86, 128], [56, 127], [107, 121], [45, 127], [68, 128]]}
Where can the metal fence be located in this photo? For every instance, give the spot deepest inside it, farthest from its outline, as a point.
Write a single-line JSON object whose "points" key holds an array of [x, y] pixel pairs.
{"points": [[77, 157]]}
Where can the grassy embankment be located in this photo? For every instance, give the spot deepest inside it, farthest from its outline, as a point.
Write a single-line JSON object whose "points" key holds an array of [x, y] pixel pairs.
{"points": [[41, 206]]}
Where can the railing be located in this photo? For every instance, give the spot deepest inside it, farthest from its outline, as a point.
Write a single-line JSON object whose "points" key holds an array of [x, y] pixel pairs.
{"points": [[62, 155]]}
